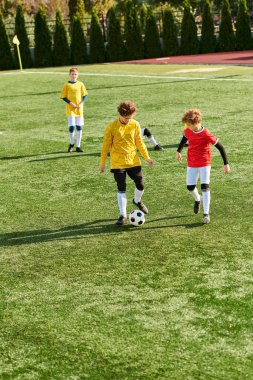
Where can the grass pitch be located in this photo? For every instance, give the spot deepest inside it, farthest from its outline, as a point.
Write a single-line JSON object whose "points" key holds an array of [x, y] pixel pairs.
{"points": [[84, 299]]}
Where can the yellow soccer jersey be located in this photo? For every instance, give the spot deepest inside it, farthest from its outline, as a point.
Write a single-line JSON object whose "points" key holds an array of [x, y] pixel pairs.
{"points": [[122, 141], [75, 93]]}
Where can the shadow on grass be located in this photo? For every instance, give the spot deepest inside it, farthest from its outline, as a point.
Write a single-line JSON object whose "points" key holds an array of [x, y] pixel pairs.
{"points": [[61, 154], [66, 155], [86, 230]]}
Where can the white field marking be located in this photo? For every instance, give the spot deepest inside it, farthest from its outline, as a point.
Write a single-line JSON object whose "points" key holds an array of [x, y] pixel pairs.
{"points": [[134, 76], [200, 70], [1, 133]]}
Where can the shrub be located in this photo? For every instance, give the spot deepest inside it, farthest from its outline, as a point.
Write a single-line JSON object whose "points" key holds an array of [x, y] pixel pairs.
{"points": [[61, 50], [189, 38], [133, 38], [43, 43], [152, 46], [170, 41], [115, 46], [226, 35], [243, 32], [208, 40], [78, 47], [20, 31], [97, 48], [76, 8], [6, 59]]}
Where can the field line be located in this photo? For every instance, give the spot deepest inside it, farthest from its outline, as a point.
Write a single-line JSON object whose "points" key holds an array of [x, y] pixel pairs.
{"points": [[133, 76]]}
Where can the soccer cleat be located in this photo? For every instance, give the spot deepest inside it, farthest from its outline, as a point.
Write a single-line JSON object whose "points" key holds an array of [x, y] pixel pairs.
{"points": [[71, 146], [121, 221], [196, 207], [141, 206], [206, 219], [158, 147], [78, 149]]}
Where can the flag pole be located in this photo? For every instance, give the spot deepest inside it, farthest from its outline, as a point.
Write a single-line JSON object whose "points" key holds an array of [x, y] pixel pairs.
{"points": [[16, 42]]}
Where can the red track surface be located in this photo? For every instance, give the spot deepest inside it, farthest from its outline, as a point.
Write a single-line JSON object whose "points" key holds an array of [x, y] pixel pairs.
{"points": [[231, 58]]}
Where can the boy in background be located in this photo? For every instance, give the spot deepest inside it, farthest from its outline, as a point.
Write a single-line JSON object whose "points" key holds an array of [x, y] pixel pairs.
{"points": [[74, 94]]}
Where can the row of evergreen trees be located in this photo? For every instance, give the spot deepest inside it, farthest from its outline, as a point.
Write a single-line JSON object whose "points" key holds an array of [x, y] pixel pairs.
{"points": [[141, 37]]}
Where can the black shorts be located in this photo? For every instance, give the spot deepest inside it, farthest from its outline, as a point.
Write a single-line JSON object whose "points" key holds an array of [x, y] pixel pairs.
{"points": [[135, 173]]}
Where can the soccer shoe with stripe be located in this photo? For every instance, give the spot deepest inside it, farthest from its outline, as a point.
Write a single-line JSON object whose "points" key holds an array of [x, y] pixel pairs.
{"points": [[121, 221], [79, 150], [70, 148], [206, 219], [141, 206]]}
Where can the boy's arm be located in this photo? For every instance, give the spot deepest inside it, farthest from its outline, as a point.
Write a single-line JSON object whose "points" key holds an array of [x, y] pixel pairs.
{"points": [[66, 100], [107, 143], [181, 144], [141, 145], [180, 147], [222, 151]]}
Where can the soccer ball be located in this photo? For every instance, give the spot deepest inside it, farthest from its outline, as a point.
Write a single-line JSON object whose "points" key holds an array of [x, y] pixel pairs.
{"points": [[137, 218]]}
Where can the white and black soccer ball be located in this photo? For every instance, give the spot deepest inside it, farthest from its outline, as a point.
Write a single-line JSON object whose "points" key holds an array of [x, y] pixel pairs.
{"points": [[137, 218]]}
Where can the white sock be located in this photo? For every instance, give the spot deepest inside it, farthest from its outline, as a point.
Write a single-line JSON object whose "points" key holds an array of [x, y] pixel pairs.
{"points": [[206, 201], [153, 140], [137, 195], [71, 137], [78, 138], [195, 194], [122, 202]]}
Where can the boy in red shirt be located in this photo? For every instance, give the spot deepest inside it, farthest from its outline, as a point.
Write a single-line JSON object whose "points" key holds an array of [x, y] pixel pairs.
{"points": [[199, 158]]}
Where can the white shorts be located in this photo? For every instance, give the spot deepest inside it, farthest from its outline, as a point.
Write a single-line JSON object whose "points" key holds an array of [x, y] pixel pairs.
{"points": [[194, 173], [75, 120]]}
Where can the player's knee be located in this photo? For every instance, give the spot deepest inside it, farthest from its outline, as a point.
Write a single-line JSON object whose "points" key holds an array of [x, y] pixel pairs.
{"points": [[147, 132], [71, 128], [79, 127], [121, 187], [191, 187], [205, 186], [140, 185]]}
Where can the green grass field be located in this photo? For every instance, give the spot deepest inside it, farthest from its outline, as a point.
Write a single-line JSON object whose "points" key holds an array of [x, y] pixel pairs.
{"points": [[84, 299]]}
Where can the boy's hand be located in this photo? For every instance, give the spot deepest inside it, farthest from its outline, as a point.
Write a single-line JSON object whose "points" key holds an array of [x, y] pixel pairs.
{"points": [[101, 168], [226, 168], [150, 162], [179, 157]]}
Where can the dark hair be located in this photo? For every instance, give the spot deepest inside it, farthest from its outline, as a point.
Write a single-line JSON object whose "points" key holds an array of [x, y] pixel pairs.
{"points": [[127, 108]]}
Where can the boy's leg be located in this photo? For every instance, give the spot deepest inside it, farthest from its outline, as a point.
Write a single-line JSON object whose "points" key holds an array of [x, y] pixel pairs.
{"points": [[205, 187], [136, 175], [71, 125], [146, 132], [191, 180], [120, 178], [79, 128]]}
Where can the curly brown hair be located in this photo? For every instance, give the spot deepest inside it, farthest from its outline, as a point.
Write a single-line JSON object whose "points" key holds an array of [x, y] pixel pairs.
{"points": [[192, 116], [127, 108]]}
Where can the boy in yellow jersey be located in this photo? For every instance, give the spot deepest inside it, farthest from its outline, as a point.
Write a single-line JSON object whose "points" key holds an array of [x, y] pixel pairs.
{"points": [[122, 138], [74, 94]]}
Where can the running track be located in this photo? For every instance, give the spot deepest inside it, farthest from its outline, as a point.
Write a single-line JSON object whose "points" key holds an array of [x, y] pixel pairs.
{"points": [[239, 58]]}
